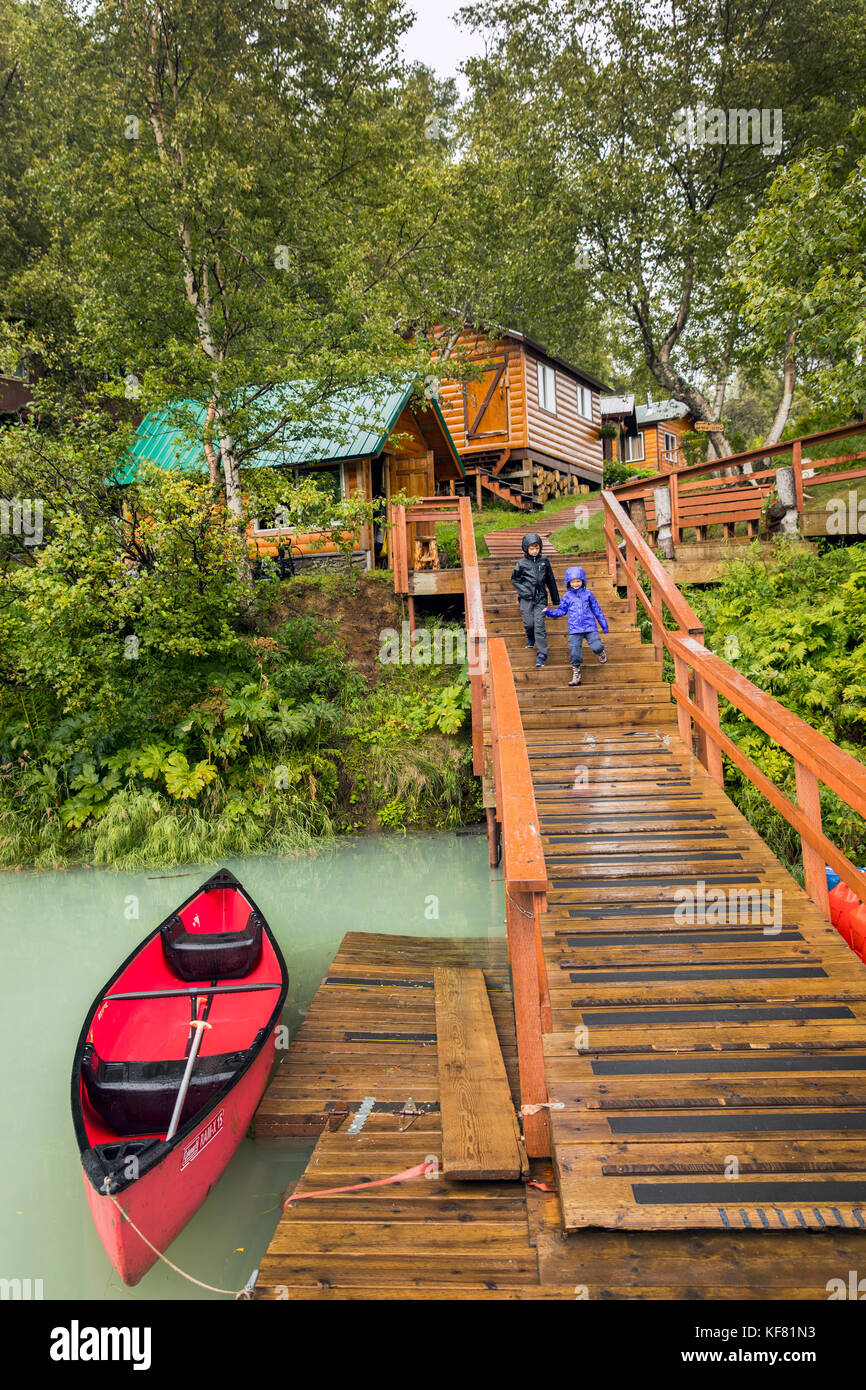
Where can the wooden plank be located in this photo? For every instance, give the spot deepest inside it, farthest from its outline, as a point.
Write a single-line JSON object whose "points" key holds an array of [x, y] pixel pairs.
{"points": [[480, 1134]]}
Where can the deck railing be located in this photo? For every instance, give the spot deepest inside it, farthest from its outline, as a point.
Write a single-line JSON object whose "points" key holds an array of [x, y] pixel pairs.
{"points": [[525, 875], [816, 758], [699, 500]]}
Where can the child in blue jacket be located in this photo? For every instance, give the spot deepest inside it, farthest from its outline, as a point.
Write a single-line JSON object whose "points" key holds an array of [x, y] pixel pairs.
{"points": [[584, 617]]}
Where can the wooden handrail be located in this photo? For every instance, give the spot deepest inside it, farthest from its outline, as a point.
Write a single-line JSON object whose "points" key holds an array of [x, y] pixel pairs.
{"points": [[525, 875], [523, 852], [816, 758]]}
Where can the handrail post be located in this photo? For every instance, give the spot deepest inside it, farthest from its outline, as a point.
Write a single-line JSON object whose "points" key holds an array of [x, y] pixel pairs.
{"points": [[674, 487], [809, 801], [681, 683], [656, 603], [797, 466], [707, 699], [631, 559], [520, 916]]}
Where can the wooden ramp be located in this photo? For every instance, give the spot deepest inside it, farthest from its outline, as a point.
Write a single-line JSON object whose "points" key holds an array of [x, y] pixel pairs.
{"points": [[480, 1135], [708, 1071]]}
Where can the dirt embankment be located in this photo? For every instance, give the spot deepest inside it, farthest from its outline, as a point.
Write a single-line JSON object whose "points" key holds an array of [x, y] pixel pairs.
{"points": [[353, 608]]}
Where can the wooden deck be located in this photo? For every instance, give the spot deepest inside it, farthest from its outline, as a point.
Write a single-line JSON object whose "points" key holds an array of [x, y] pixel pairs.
{"points": [[371, 1032]]}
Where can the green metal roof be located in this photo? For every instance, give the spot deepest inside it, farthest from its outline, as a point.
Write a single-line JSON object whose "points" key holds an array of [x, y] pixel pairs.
{"points": [[356, 425]]}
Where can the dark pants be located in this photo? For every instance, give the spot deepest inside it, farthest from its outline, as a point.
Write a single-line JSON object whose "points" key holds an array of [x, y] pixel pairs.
{"points": [[532, 614], [575, 645]]}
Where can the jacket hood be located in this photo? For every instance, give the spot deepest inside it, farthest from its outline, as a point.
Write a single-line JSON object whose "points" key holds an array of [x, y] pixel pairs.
{"points": [[575, 572], [530, 539]]}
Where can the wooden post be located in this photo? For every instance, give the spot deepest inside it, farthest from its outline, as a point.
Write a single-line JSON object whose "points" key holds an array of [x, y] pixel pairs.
{"points": [[674, 486], [411, 607], [656, 605], [681, 683], [478, 490], [492, 837], [707, 699], [631, 558], [809, 801], [610, 549], [520, 919], [797, 467]]}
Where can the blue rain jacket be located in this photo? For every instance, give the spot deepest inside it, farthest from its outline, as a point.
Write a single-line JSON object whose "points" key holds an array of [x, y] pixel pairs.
{"points": [[581, 605]]}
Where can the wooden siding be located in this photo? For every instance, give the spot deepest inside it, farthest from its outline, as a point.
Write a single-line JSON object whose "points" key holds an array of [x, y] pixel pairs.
{"points": [[476, 347], [654, 444], [565, 435]]}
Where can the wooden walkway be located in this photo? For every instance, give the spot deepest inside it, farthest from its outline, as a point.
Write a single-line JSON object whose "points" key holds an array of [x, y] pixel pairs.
{"points": [[711, 1072]]}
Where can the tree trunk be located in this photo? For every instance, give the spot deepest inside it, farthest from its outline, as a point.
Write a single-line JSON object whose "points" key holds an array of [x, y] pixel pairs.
{"points": [[789, 377]]}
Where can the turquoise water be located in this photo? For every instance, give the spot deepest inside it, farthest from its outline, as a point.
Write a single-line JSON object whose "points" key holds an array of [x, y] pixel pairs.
{"points": [[64, 934]]}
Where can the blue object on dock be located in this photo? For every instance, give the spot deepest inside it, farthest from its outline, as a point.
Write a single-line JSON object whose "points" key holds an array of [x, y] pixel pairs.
{"points": [[832, 879]]}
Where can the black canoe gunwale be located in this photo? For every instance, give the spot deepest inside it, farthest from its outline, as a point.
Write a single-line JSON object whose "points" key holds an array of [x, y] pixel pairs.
{"points": [[157, 1149]]}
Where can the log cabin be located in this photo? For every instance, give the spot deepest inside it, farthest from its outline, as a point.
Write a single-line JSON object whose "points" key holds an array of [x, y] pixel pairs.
{"points": [[648, 436], [526, 424], [376, 443]]}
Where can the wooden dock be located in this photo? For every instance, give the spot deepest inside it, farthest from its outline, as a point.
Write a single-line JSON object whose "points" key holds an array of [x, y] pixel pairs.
{"points": [[371, 1033]]}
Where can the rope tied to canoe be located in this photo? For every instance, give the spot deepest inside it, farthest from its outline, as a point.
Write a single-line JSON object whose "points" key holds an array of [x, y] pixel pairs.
{"points": [[542, 1105], [238, 1294], [420, 1170]]}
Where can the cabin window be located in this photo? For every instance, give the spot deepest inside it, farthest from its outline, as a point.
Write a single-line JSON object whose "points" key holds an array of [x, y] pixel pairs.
{"points": [[670, 444], [584, 403], [546, 387], [330, 480], [634, 451]]}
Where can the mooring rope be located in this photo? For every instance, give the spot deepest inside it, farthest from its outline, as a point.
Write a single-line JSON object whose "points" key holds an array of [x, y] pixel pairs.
{"points": [[244, 1293], [419, 1171]]}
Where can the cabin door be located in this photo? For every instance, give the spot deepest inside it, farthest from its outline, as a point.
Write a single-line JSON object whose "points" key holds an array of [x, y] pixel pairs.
{"points": [[414, 476], [485, 405]]}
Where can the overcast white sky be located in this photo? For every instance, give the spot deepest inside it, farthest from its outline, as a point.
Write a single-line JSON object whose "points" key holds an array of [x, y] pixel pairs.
{"points": [[436, 39]]}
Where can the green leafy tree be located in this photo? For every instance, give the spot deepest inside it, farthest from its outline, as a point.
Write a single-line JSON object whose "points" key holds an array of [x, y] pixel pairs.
{"points": [[598, 100]]}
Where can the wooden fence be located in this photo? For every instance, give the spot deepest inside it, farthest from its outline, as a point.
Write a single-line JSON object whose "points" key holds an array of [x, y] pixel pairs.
{"points": [[737, 497]]}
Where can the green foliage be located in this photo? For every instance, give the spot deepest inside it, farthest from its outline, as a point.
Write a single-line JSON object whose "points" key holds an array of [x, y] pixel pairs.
{"points": [[798, 631], [617, 471]]}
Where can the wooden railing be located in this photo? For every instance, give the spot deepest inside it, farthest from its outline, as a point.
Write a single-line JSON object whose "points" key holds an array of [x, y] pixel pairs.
{"points": [[816, 759], [699, 500], [525, 875]]}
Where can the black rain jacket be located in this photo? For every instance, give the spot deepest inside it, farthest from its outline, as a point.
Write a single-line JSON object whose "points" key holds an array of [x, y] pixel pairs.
{"points": [[533, 578]]}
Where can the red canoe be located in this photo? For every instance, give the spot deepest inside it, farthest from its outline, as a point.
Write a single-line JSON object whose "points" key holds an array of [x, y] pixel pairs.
{"points": [[208, 987]]}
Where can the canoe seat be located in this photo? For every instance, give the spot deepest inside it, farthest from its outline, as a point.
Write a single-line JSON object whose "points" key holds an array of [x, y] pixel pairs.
{"points": [[139, 1097], [213, 955]]}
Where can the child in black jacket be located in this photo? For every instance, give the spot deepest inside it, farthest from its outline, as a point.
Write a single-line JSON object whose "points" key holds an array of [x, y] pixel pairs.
{"points": [[533, 578]]}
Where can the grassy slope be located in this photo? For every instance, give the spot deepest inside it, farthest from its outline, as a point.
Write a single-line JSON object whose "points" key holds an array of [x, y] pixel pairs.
{"points": [[501, 519]]}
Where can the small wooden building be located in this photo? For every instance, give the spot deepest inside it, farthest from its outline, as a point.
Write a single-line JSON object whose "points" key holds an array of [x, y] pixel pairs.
{"points": [[527, 426], [648, 436], [376, 443]]}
